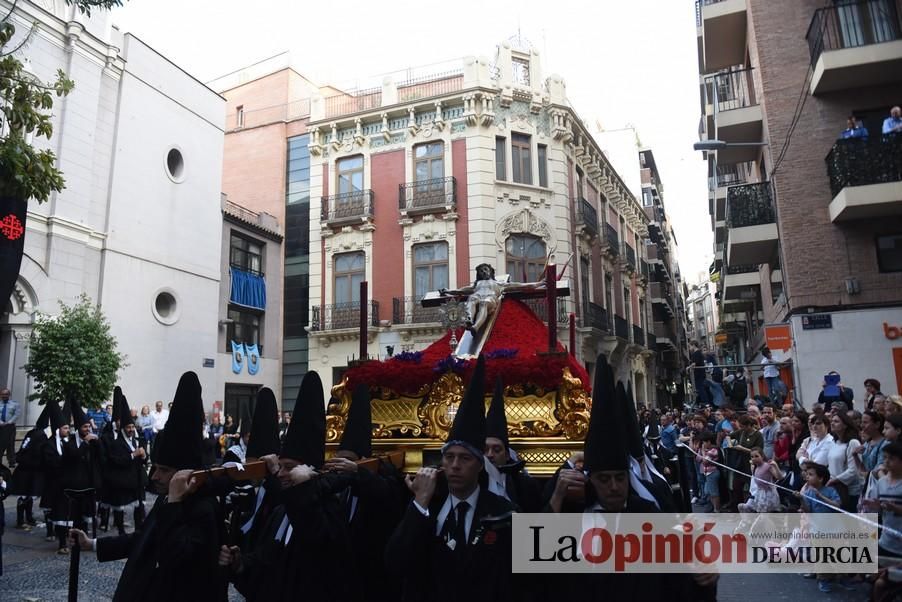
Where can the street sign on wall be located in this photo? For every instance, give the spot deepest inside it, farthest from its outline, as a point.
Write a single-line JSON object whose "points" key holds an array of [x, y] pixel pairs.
{"points": [[817, 321]]}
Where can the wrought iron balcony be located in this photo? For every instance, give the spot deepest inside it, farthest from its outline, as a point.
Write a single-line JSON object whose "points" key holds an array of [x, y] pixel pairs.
{"points": [[638, 335], [852, 25], [732, 90], [426, 196], [595, 316], [750, 205], [347, 207], [733, 174], [859, 161], [741, 269], [407, 310], [629, 257], [611, 237], [540, 309], [664, 335], [342, 315], [621, 328], [587, 216]]}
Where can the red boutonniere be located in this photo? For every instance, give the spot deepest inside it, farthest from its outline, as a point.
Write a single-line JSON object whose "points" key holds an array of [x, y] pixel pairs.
{"points": [[490, 537]]}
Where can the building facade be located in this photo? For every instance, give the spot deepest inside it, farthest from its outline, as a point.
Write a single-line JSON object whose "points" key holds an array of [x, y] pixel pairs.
{"points": [[250, 298], [666, 290], [416, 182], [266, 168], [808, 227], [138, 225], [701, 305]]}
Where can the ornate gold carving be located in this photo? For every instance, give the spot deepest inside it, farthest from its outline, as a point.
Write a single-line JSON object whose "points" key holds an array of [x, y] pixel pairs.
{"points": [[446, 391], [399, 413], [337, 414], [574, 407]]}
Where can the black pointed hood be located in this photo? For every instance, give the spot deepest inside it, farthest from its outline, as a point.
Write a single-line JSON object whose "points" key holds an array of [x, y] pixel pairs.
{"points": [[244, 424], [180, 444], [124, 414], [66, 412], [305, 439], [264, 426], [358, 435], [654, 429], [468, 429], [117, 404], [495, 419], [55, 416], [44, 418], [78, 414], [605, 447], [631, 422]]}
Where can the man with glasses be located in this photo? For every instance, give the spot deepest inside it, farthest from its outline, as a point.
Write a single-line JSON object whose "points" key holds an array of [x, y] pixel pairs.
{"points": [[443, 549]]}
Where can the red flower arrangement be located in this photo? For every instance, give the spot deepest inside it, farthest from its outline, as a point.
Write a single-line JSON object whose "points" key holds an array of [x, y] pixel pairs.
{"points": [[516, 328]]}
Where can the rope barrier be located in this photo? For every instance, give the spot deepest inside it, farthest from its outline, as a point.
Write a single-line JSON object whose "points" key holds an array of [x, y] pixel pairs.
{"points": [[867, 521]]}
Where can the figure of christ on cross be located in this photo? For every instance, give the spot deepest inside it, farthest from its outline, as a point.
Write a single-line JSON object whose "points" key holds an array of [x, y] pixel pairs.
{"points": [[484, 299]]}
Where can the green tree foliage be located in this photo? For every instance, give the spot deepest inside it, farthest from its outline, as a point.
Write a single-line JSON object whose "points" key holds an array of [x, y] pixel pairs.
{"points": [[25, 113], [74, 353]]}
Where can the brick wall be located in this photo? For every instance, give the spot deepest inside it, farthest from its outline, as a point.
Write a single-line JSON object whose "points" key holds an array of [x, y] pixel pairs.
{"points": [[387, 254], [816, 254]]}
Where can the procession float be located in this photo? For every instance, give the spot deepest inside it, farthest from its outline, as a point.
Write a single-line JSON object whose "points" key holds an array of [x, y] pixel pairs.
{"points": [[415, 395]]}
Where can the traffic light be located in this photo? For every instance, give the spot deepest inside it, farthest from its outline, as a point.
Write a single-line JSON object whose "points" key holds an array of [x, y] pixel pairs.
{"points": [[12, 244]]}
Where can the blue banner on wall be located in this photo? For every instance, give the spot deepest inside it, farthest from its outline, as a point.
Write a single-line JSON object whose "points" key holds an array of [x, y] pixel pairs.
{"points": [[253, 359], [238, 355]]}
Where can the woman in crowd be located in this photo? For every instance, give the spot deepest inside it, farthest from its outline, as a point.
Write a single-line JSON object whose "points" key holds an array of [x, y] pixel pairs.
{"points": [[145, 423], [783, 442], [845, 477], [816, 448]]}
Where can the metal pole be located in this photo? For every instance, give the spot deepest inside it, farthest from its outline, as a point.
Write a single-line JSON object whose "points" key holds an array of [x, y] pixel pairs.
{"points": [[551, 305], [364, 322], [572, 334]]}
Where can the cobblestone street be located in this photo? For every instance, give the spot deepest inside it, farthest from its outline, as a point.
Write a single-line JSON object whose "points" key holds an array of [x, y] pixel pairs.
{"points": [[32, 570]]}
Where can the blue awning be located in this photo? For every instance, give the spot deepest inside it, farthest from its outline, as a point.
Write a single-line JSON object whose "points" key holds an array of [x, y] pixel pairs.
{"points": [[248, 289]]}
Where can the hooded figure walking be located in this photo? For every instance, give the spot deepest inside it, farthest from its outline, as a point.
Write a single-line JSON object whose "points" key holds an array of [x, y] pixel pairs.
{"points": [[173, 555]]}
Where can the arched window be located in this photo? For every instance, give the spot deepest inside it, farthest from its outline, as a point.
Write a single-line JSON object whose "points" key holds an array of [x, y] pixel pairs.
{"points": [[525, 255]]}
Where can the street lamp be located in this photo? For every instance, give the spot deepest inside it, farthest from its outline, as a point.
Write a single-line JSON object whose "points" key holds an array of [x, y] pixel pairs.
{"points": [[716, 145]]}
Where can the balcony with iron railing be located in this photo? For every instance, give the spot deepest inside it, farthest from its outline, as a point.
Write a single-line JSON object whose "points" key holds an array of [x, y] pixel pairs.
{"points": [[621, 328], [737, 114], [428, 196], [612, 239], [342, 315], [628, 256], [751, 234], [596, 316], [855, 44], [349, 207], [407, 310], [540, 308], [638, 336], [724, 24], [661, 296], [865, 178], [664, 335], [586, 217]]}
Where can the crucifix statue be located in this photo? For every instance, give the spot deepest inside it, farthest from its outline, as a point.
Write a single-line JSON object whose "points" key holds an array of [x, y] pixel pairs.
{"points": [[483, 301]]}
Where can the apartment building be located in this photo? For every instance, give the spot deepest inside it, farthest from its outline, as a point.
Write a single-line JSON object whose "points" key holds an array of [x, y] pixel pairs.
{"points": [[415, 182], [808, 225]]}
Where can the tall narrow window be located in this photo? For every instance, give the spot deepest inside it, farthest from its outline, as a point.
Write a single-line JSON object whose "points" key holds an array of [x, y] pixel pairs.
{"points": [[584, 284], [350, 174], [626, 304], [608, 295], [244, 327], [246, 255], [520, 158], [239, 116], [349, 273], [500, 162], [580, 179], [542, 153], [525, 257], [430, 268], [429, 169]]}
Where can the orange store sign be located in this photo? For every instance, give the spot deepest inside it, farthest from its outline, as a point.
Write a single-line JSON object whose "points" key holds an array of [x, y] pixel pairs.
{"points": [[778, 337]]}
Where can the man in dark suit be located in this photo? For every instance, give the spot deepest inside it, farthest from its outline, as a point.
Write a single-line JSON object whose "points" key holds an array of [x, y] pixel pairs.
{"points": [[173, 556], [9, 412], [510, 480], [449, 546]]}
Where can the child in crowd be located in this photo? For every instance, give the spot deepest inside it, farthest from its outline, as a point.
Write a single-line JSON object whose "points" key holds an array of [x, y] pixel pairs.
{"points": [[764, 497], [817, 497], [888, 501], [709, 473]]}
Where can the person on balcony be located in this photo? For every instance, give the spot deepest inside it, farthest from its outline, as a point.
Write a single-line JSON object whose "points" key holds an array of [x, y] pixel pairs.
{"points": [[893, 123], [854, 129]]}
